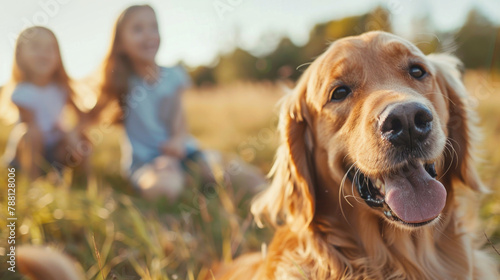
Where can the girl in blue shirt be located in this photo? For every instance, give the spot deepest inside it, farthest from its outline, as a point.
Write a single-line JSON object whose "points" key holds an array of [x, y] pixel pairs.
{"points": [[148, 105]]}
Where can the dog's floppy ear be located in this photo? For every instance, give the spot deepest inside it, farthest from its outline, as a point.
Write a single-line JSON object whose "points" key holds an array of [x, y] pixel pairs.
{"points": [[290, 197], [462, 122]]}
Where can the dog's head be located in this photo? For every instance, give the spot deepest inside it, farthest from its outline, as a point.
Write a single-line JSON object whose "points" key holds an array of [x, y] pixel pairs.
{"points": [[376, 119]]}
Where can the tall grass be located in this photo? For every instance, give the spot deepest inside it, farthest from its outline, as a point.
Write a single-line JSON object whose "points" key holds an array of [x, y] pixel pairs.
{"points": [[113, 234]]}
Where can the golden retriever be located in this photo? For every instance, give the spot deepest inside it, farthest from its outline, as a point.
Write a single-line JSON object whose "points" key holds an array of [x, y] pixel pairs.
{"points": [[375, 175]]}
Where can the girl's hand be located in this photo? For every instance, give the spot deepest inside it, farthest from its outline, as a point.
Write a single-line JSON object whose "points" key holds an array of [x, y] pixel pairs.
{"points": [[174, 147], [73, 137]]}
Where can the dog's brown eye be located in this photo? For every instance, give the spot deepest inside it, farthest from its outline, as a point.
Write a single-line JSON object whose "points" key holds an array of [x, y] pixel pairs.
{"points": [[417, 72], [340, 93]]}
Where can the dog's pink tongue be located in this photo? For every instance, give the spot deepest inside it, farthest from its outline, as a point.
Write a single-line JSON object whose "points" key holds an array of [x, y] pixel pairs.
{"points": [[414, 196]]}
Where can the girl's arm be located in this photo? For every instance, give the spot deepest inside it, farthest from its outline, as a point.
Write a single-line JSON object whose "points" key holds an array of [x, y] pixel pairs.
{"points": [[74, 136], [32, 144], [179, 124], [179, 132], [77, 109], [87, 119]]}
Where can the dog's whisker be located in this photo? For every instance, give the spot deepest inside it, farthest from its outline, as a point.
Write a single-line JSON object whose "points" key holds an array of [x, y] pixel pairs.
{"points": [[442, 95], [443, 159], [453, 153], [341, 190], [352, 183], [353, 196], [440, 221], [453, 148]]}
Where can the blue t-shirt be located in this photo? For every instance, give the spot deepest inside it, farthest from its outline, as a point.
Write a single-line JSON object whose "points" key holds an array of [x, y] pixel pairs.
{"points": [[46, 103], [148, 114]]}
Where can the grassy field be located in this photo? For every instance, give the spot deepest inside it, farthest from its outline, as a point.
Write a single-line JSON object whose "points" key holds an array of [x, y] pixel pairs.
{"points": [[112, 234]]}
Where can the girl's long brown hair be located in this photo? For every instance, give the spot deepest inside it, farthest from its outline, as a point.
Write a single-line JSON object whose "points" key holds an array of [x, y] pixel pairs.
{"points": [[116, 70], [21, 74]]}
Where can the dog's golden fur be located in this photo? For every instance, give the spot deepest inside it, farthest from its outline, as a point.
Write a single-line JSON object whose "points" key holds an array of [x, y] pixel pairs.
{"points": [[324, 230]]}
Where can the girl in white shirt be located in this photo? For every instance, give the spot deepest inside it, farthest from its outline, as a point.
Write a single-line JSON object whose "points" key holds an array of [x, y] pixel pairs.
{"points": [[40, 89]]}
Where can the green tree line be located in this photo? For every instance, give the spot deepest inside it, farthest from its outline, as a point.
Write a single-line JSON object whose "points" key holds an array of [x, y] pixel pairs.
{"points": [[476, 43]]}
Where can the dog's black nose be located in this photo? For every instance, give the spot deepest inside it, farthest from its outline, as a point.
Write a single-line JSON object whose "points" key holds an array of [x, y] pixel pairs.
{"points": [[405, 123]]}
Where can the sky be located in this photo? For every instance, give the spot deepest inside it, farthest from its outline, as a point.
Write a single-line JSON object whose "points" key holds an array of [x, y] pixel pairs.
{"points": [[197, 31]]}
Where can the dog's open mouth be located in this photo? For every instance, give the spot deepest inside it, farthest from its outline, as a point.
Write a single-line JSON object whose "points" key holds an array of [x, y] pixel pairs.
{"points": [[411, 196]]}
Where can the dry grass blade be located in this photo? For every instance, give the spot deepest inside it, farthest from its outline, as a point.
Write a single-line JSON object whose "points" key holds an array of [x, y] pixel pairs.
{"points": [[98, 256], [491, 244]]}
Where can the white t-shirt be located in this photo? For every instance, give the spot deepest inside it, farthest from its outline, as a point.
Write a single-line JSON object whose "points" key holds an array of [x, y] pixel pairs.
{"points": [[46, 103]]}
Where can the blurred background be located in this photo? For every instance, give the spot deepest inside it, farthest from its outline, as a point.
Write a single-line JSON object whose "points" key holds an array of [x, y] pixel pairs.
{"points": [[239, 54], [255, 38]]}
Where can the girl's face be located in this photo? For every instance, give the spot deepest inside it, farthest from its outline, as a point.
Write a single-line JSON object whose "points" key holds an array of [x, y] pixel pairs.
{"points": [[140, 39], [39, 55]]}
